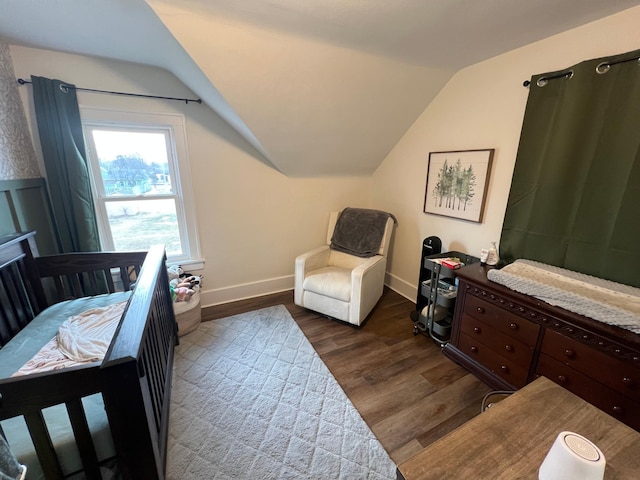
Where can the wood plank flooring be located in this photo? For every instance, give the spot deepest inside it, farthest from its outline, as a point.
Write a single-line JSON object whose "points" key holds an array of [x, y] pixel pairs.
{"points": [[406, 390]]}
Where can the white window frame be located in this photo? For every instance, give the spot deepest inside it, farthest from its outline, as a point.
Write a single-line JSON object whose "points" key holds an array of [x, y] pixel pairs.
{"points": [[174, 126]]}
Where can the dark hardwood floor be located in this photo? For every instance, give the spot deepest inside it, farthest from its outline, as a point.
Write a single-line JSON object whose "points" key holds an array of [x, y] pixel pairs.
{"points": [[406, 390]]}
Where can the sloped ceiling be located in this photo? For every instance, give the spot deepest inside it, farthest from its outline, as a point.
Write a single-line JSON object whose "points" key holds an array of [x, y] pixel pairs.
{"points": [[317, 87]]}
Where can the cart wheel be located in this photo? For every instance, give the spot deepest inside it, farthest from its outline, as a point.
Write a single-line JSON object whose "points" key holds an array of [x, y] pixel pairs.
{"points": [[415, 330]]}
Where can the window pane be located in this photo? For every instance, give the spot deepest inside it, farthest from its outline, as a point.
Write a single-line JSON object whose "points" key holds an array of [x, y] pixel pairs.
{"points": [[138, 224], [132, 163]]}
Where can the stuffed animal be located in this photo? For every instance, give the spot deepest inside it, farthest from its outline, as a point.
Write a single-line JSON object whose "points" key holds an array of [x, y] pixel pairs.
{"points": [[183, 287], [189, 282], [174, 272], [183, 294]]}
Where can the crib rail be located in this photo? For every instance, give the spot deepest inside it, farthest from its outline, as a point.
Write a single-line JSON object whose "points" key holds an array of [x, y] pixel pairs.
{"points": [[75, 275], [29, 395], [135, 376], [140, 360]]}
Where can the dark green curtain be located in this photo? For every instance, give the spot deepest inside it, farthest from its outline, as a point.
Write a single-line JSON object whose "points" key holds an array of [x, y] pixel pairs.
{"points": [[65, 159], [575, 193]]}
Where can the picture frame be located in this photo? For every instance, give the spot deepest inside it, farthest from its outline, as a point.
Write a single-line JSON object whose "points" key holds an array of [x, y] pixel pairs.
{"points": [[457, 183]]}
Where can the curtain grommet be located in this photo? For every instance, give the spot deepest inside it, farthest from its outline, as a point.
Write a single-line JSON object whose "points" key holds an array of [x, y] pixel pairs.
{"points": [[603, 68]]}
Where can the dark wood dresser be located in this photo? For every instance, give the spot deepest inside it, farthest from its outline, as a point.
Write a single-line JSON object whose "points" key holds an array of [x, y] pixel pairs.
{"points": [[508, 339]]}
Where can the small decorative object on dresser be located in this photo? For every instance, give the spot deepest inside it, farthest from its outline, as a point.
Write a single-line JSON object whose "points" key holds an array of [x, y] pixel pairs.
{"points": [[509, 339]]}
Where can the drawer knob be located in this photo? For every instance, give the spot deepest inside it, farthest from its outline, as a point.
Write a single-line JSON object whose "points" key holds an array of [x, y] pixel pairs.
{"points": [[474, 349], [618, 410], [504, 368], [513, 326], [627, 381], [477, 330], [562, 379], [480, 310], [508, 348], [569, 353], [521, 309]]}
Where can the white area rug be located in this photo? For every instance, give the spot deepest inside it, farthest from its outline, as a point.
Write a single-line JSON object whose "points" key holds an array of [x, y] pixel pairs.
{"points": [[253, 400]]}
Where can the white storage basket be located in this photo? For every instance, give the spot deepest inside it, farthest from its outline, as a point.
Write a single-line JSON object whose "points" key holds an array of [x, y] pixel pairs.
{"points": [[188, 314]]}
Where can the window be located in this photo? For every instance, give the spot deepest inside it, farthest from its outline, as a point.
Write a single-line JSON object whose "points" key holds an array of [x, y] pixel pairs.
{"points": [[140, 181]]}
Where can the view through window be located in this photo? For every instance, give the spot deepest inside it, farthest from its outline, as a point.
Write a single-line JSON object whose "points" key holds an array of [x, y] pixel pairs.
{"points": [[136, 186]]}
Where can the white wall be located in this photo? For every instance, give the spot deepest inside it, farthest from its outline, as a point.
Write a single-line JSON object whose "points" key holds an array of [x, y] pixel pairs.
{"points": [[344, 108], [252, 220], [481, 107]]}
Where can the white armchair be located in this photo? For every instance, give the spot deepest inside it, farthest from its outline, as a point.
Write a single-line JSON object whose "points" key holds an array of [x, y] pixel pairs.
{"points": [[338, 284]]}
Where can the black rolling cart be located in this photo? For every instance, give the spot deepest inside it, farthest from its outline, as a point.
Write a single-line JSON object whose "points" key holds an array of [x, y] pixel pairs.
{"points": [[437, 292]]}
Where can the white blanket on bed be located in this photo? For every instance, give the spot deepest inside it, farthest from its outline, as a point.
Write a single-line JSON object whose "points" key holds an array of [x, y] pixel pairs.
{"points": [[82, 338], [603, 300], [86, 337]]}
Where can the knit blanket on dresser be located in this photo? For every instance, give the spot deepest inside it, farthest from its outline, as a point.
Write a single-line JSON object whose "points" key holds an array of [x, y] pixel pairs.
{"points": [[608, 302]]}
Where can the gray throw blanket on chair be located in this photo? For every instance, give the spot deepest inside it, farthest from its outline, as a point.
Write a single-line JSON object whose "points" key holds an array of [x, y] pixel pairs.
{"points": [[360, 231]]}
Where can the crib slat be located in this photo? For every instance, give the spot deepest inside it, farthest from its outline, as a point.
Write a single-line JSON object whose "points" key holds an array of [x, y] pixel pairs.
{"points": [[84, 442], [59, 286], [76, 287], [124, 276], [154, 370], [110, 285], [93, 284], [34, 299], [18, 304], [43, 445]]}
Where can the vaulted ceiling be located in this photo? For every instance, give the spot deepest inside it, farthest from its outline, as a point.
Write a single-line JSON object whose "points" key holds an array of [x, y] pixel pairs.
{"points": [[317, 87]]}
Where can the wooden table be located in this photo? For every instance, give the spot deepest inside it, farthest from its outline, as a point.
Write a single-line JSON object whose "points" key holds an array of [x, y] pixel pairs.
{"points": [[511, 439]]}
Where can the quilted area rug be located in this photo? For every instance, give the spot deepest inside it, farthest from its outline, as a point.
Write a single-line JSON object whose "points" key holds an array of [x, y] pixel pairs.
{"points": [[252, 399]]}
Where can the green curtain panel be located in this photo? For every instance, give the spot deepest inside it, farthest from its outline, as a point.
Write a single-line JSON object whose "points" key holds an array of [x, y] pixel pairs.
{"points": [[575, 193], [65, 159]]}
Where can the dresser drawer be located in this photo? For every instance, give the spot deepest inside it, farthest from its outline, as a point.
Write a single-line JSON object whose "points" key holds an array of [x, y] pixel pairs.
{"points": [[505, 368], [502, 320], [503, 344], [603, 368], [606, 399]]}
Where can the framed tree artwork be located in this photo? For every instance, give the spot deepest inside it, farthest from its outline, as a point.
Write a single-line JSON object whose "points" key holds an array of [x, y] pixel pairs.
{"points": [[457, 183]]}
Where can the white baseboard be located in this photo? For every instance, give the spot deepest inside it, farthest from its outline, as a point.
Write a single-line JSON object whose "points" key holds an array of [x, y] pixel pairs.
{"points": [[244, 291], [400, 286]]}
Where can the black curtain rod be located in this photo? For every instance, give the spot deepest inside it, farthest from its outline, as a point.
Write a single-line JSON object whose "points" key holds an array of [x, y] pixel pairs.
{"points": [[22, 81], [602, 67], [542, 81]]}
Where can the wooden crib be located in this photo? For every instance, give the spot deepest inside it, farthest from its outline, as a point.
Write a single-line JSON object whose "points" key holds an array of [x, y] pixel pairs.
{"points": [[134, 378]]}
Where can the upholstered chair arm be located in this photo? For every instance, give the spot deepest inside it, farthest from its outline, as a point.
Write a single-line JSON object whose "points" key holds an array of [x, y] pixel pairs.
{"points": [[367, 283], [308, 262]]}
